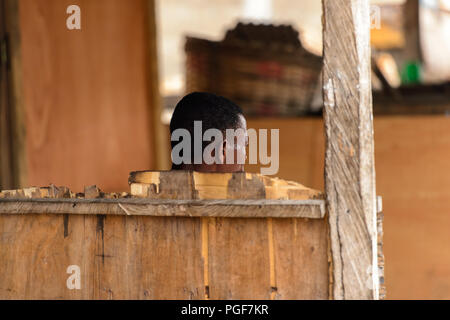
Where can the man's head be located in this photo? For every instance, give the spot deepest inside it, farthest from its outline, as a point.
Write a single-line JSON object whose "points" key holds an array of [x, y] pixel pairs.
{"points": [[203, 114]]}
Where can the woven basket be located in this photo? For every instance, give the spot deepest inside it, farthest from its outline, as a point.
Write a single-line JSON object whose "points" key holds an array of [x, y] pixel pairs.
{"points": [[263, 68]]}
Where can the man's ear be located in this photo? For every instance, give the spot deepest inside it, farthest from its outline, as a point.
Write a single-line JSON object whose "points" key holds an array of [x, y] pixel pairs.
{"points": [[224, 152]]}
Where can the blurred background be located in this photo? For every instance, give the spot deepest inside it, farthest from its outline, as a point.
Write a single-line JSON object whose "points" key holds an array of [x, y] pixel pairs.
{"points": [[83, 107]]}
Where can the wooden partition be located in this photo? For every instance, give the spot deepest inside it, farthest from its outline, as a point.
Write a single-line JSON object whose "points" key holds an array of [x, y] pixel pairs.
{"points": [[83, 99], [169, 239]]}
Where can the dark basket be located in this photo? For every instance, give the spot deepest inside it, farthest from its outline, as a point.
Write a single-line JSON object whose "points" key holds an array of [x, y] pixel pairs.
{"points": [[263, 68]]}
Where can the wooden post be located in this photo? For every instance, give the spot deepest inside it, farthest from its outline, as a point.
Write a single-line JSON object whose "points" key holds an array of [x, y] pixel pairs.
{"points": [[159, 133], [16, 113], [349, 157], [6, 176]]}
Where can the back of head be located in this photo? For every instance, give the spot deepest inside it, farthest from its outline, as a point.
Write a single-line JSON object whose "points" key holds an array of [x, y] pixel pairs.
{"points": [[214, 112]]}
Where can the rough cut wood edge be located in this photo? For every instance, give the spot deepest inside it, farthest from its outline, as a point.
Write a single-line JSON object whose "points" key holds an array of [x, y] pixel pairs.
{"points": [[196, 185], [314, 209], [349, 156]]}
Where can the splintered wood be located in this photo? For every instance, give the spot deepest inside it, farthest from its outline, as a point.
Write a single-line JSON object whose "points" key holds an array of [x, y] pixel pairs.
{"points": [[349, 155], [177, 193], [195, 185], [176, 235]]}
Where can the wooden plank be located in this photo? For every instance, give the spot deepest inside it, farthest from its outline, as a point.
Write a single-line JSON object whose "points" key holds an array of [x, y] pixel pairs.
{"points": [[119, 257], [300, 259], [243, 257], [158, 258], [238, 259], [349, 156], [16, 103], [176, 193], [6, 165], [159, 135], [86, 92], [35, 253], [127, 251], [137, 257], [118, 231], [239, 263], [181, 184], [161, 207]]}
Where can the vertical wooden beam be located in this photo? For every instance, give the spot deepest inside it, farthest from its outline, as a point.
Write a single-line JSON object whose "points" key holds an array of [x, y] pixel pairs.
{"points": [[6, 177], [15, 101], [159, 134], [349, 156]]}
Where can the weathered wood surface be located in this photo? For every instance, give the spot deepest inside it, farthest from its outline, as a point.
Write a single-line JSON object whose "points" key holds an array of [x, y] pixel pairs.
{"points": [[13, 143], [349, 155], [174, 208], [176, 193], [86, 92], [159, 134], [126, 251], [6, 163], [119, 257], [196, 185], [311, 236], [238, 253], [143, 257]]}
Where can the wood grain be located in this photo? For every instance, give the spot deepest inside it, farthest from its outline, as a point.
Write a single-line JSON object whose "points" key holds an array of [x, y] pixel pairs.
{"points": [[6, 163], [119, 257], [160, 139], [161, 207], [238, 259], [158, 247], [144, 257], [86, 92], [301, 245], [35, 254], [181, 184], [15, 114], [349, 154]]}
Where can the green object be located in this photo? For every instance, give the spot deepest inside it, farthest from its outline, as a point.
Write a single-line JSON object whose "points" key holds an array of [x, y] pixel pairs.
{"points": [[411, 73]]}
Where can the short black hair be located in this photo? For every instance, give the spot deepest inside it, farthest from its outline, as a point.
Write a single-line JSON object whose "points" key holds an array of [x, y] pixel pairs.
{"points": [[214, 111]]}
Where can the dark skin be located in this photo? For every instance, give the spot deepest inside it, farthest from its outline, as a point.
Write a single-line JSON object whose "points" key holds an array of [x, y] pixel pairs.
{"points": [[222, 166]]}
